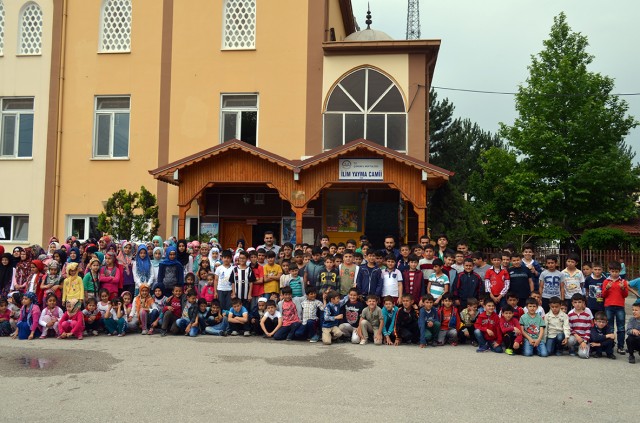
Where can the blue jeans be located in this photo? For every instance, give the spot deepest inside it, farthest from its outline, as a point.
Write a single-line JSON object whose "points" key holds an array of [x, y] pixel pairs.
{"points": [[113, 325], [528, 349], [225, 299], [287, 331], [553, 343], [307, 331], [219, 329], [484, 343], [183, 323], [616, 312]]}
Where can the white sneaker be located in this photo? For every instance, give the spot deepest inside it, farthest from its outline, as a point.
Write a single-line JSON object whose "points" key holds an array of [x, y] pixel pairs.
{"points": [[247, 333], [363, 342], [234, 333], [144, 332]]}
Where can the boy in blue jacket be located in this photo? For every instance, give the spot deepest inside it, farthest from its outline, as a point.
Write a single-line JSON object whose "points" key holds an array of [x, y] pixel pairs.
{"points": [[428, 322], [389, 313], [467, 285], [369, 280], [332, 318]]}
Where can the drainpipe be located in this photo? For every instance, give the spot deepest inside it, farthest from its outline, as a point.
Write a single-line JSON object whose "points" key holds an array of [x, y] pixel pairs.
{"points": [[63, 48]]}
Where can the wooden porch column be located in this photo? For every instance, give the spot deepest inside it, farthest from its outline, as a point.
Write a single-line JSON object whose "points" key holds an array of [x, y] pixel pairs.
{"points": [[299, 211], [422, 220], [182, 217]]}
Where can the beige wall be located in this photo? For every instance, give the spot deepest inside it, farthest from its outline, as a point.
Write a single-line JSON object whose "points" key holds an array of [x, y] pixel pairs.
{"points": [[335, 20], [23, 179], [86, 182]]}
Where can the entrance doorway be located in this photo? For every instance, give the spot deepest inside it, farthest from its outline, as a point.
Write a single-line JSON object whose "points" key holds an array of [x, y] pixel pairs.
{"points": [[233, 230], [382, 216]]}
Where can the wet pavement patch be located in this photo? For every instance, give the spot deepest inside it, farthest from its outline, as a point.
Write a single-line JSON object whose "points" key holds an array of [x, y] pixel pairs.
{"points": [[23, 362], [334, 358]]}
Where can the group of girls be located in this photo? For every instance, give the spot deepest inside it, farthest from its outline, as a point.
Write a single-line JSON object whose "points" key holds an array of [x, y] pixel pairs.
{"points": [[35, 283]]}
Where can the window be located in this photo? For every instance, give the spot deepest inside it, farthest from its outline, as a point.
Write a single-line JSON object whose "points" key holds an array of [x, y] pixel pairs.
{"points": [[16, 128], [115, 31], [190, 226], [14, 228], [239, 27], [1, 27], [343, 211], [239, 118], [366, 104], [31, 30], [111, 132], [83, 227]]}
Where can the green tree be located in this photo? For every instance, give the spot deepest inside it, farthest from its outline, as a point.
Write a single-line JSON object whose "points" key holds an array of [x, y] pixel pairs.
{"points": [[568, 167], [456, 144], [130, 215]]}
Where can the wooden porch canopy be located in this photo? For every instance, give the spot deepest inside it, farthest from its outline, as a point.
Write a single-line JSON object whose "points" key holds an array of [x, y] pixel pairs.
{"points": [[297, 181]]}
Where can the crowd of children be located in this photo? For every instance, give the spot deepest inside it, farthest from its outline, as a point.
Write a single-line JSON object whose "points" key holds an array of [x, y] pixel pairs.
{"points": [[426, 294]]}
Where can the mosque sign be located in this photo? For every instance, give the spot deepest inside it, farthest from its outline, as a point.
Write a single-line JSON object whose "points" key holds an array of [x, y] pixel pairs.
{"points": [[357, 169]]}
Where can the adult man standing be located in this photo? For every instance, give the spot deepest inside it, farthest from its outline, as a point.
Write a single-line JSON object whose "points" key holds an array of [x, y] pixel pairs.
{"points": [[269, 243], [390, 246]]}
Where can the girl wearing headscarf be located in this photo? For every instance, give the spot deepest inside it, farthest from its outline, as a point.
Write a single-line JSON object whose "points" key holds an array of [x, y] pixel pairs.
{"points": [[52, 281], [15, 258], [103, 244], [142, 268], [61, 257], [72, 321], [111, 275], [6, 274], [125, 260], [157, 241], [91, 279], [156, 258], [72, 287], [183, 256], [53, 246], [143, 312], [170, 272], [37, 267], [22, 272], [27, 326]]}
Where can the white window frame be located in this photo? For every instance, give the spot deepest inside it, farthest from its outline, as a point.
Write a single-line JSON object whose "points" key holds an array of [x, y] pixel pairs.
{"points": [[101, 48], [16, 137], [238, 111], [224, 26], [187, 226], [13, 228], [112, 113], [20, 34], [367, 112], [87, 226]]}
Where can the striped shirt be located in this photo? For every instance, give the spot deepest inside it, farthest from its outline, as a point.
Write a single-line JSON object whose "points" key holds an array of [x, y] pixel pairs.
{"points": [[581, 323], [437, 285], [242, 279]]}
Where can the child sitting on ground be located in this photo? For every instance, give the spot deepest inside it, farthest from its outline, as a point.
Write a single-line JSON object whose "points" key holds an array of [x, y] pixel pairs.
{"points": [[407, 329], [633, 332], [271, 321], [467, 321], [256, 316], [114, 321], [290, 318], [50, 316], [558, 329], [310, 322], [428, 322], [27, 326], [487, 329], [533, 327], [238, 319], [352, 309], [5, 318], [92, 317], [371, 322], [72, 321], [601, 338], [448, 316], [580, 321], [511, 330], [217, 321], [389, 313], [332, 318]]}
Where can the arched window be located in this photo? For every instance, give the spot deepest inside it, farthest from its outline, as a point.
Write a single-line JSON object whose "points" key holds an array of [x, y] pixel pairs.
{"points": [[30, 30], [366, 104], [239, 25], [115, 31], [1, 28]]}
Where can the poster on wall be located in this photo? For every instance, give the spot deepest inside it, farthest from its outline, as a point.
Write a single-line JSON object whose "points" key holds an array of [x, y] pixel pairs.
{"points": [[209, 229], [348, 219], [289, 230]]}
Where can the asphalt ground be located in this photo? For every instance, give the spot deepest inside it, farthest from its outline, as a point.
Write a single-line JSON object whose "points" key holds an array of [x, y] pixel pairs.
{"points": [[177, 378]]}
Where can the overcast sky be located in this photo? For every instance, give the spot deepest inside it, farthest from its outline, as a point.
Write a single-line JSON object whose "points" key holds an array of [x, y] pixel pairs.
{"points": [[487, 45]]}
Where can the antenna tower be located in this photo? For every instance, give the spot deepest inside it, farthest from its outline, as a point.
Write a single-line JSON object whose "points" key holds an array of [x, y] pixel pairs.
{"points": [[413, 20]]}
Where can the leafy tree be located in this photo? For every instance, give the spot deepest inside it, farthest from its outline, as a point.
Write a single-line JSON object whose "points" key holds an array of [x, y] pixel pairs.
{"points": [[604, 239], [130, 215], [566, 166], [456, 144]]}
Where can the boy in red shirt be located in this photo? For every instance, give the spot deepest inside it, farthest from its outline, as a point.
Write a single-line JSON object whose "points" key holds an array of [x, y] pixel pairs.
{"points": [[496, 281], [614, 291], [487, 329], [510, 329], [412, 279]]}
